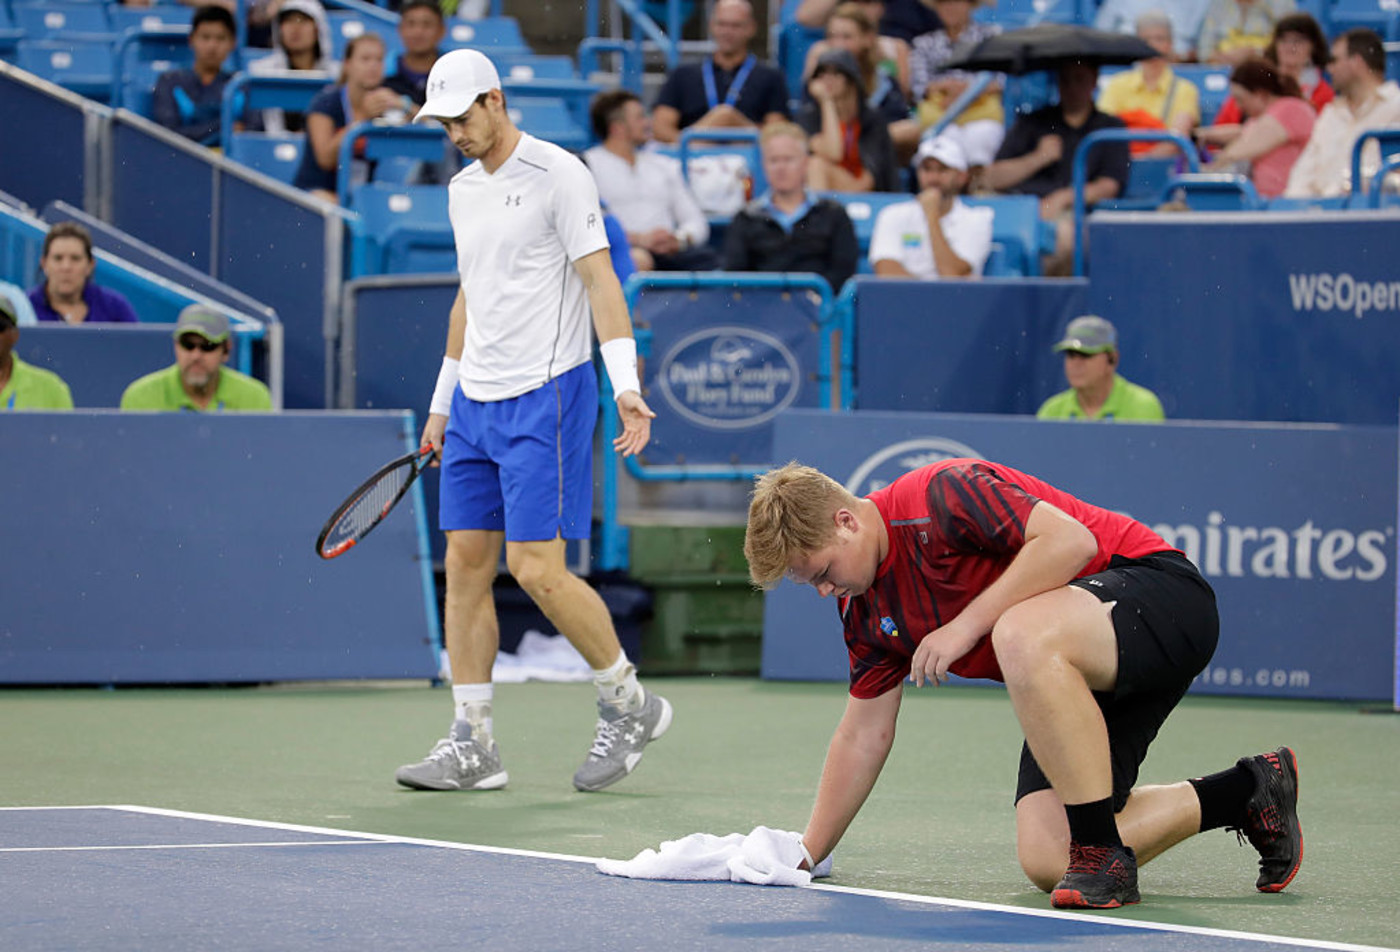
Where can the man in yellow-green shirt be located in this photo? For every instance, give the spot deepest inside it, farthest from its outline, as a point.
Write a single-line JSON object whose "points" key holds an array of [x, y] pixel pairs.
{"points": [[24, 386], [198, 380], [1096, 392]]}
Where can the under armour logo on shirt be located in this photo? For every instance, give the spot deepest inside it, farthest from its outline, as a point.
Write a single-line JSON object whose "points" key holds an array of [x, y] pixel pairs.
{"points": [[513, 201]]}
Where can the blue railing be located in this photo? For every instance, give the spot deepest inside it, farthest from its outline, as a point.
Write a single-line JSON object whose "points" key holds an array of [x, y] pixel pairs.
{"points": [[1081, 167], [1389, 142]]}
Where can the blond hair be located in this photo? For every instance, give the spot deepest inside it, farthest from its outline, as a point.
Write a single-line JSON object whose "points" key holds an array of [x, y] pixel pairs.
{"points": [[790, 514], [781, 127]]}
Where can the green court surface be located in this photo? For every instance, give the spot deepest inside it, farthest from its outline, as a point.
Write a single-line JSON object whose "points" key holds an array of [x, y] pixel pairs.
{"points": [[741, 753]]}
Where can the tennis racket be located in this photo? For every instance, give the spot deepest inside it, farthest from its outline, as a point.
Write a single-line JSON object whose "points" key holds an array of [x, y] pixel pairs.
{"points": [[367, 506]]}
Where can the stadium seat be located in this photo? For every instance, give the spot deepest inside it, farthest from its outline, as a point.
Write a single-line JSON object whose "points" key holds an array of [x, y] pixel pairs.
{"points": [[1146, 179], [277, 155], [1213, 82], [148, 18], [1213, 192], [1306, 204], [141, 56], [1019, 237], [411, 221], [548, 119], [1342, 15], [794, 40], [41, 21], [83, 66], [576, 94], [491, 35], [527, 67], [10, 35], [1012, 14], [345, 25], [862, 208]]}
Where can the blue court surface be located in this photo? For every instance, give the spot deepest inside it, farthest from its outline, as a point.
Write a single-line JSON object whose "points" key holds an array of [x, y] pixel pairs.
{"points": [[126, 877]]}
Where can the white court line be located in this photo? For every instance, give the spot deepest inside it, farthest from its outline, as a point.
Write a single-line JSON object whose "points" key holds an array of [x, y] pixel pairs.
{"points": [[186, 846], [848, 890]]}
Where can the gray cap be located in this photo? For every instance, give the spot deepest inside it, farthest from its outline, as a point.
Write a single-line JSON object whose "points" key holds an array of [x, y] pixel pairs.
{"points": [[203, 320], [1089, 334]]}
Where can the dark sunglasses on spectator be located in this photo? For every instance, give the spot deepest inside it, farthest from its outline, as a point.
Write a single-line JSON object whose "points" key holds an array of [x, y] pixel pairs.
{"points": [[195, 342]]}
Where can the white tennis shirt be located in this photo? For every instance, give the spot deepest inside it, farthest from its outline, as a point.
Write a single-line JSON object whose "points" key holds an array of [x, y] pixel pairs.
{"points": [[518, 232], [901, 234]]}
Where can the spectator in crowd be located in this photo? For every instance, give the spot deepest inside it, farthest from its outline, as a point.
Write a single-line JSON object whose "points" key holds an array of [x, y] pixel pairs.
{"points": [[1278, 123], [1365, 100], [360, 96], [851, 146], [198, 380], [260, 14], [936, 235], [729, 90], [19, 301], [1121, 16], [1037, 158], [421, 29], [935, 88], [1299, 50], [853, 25], [665, 227], [301, 40], [1151, 95], [67, 292], [1233, 31], [897, 22], [851, 30], [789, 229], [189, 101], [906, 19], [24, 386], [1096, 391]]}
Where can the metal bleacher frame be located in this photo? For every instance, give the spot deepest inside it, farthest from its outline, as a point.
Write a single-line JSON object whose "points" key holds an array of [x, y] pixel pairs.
{"points": [[1081, 169]]}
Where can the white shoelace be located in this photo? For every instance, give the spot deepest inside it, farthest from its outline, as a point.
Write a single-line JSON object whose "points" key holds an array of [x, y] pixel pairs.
{"points": [[606, 737]]}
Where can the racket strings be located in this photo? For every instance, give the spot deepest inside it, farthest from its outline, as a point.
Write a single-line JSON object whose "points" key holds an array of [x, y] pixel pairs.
{"points": [[371, 506]]}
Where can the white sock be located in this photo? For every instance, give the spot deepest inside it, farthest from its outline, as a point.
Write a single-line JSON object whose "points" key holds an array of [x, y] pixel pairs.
{"points": [[617, 685], [472, 703]]}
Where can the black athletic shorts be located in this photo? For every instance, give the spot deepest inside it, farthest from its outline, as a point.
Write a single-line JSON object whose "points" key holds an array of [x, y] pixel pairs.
{"points": [[1167, 627]]}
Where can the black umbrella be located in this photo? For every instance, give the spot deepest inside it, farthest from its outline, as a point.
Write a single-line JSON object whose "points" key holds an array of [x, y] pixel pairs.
{"points": [[1050, 46]]}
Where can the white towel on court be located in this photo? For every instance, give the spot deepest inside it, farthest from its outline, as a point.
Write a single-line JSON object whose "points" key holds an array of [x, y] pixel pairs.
{"points": [[765, 857]]}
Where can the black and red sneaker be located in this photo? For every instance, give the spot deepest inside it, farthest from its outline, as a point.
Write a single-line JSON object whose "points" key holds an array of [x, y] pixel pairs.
{"points": [[1271, 818], [1099, 877]]}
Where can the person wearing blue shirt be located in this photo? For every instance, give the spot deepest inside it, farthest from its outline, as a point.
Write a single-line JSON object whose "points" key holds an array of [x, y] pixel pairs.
{"points": [[67, 293], [188, 101]]}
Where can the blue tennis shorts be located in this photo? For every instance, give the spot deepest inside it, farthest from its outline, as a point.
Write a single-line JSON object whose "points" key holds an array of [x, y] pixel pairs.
{"points": [[525, 464]]}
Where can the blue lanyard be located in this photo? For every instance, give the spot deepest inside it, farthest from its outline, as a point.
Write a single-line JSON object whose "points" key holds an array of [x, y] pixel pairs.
{"points": [[732, 95], [11, 404], [345, 105]]}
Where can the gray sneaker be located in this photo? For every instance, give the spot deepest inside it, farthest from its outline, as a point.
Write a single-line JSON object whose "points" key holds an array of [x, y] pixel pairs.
{"points": [[617, 747], [456, 763]]}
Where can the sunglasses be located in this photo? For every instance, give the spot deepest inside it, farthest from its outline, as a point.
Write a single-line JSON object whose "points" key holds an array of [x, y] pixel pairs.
{"points": [[195, 342]]}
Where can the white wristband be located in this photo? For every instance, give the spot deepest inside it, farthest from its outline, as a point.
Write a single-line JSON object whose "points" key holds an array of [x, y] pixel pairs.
{"points": [[811, 863], [620, 359], [446, 388]]}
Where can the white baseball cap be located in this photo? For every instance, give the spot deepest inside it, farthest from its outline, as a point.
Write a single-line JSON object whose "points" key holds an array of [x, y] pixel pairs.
{"points": [[455, 81], [945, 149]]}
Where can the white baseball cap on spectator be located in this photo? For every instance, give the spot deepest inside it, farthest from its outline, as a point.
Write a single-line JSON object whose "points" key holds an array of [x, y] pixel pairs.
{"points": [[945, 149], [454, 83]]}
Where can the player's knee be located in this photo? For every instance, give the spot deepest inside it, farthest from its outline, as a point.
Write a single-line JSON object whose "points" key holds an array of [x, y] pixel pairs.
{"points": [[1020, 642], [534, 574]]}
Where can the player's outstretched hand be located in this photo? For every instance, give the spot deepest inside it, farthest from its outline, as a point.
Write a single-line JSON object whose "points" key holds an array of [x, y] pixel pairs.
{"points": [[433, 432], [636, 423]]}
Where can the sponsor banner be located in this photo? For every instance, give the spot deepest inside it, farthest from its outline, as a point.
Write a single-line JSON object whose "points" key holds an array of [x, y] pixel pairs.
{"points": [[1294, 526], [1255, 317], [722, 365]]}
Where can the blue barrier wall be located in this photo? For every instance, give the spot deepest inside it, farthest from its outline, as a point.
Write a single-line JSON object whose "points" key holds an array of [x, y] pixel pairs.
{"points": [[721, 365], [1293, 526], [51, 165], [1256, 316], [98, 361], [163, 195], [960, 346], [180, 548]]}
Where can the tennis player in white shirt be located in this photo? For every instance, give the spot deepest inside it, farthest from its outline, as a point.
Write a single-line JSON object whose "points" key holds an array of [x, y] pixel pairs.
{"points": [[513, 415]]}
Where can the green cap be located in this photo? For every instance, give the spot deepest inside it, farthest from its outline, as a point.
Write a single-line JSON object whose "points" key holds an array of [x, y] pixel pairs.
{"points": [[1089, 334], [203, 320]]}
